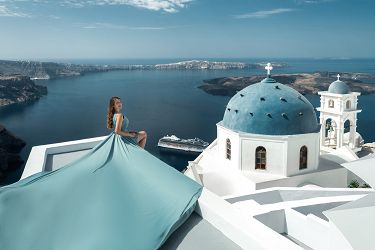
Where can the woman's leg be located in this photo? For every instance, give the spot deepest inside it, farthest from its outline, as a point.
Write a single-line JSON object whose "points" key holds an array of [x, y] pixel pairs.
{"points": [[142, 138]]}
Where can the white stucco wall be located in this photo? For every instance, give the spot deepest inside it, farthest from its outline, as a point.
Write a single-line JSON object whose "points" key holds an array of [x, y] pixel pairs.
{"points": [[329, 178], [311, 141], [276, 151], [314, 232], [241, 228], [222, 135], [282, 152], [303, 219], [36, 161]]}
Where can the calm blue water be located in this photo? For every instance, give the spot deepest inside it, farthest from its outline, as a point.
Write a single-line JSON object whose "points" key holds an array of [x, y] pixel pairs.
{"points": [[160, 102]]}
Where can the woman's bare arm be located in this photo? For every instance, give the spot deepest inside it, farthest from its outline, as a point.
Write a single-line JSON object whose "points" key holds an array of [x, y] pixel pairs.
{"points": [[118, 127]]}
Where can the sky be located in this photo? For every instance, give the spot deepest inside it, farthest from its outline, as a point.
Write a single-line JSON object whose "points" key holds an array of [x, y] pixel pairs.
{"points": [[69, 29]]}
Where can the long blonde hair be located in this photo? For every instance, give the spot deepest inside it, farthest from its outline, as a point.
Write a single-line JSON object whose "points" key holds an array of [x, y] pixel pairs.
{"points": [[111, 111]]}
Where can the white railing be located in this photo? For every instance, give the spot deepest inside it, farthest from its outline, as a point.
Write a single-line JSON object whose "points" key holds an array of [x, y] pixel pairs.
{"points": [[36, 161]]}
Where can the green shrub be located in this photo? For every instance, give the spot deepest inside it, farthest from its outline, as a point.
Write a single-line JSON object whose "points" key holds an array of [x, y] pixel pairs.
{"points": [[355, 184]]}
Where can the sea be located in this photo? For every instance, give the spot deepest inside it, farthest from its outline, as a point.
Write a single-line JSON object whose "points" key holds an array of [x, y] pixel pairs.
{"points": [[161, 102]]}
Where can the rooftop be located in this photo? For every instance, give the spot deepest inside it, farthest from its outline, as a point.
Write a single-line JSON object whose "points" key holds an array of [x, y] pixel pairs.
{"points": [[270, 108], [338, 87]]}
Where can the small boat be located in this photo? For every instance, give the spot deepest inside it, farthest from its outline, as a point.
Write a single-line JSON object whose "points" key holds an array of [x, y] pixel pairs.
{"points": [[190, 145]]}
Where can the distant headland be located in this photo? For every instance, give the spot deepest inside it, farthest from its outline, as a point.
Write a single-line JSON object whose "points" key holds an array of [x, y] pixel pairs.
{"points": [[18, 88], [50, 70], [16, 77], [306, 83]]}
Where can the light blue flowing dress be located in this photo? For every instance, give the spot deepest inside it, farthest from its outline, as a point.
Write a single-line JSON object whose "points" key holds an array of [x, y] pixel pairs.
{"points": [[125, 125], [117, 196]]}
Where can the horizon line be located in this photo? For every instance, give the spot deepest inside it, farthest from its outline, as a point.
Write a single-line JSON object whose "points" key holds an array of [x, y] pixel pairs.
{"points": [[42, 59]]}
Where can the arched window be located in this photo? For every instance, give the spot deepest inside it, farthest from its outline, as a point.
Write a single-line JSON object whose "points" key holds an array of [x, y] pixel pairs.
{"points": [[228, 151], [303, 157], [348, 104], [347, 126], [331, 104], [260, 158], [328, 126]]}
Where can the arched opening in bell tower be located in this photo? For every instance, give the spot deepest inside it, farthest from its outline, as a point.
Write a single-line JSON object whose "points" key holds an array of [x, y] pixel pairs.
{"points": [[330, 135]]}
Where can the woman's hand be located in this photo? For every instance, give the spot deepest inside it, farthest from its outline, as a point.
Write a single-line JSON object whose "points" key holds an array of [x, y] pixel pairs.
{"points": [[133, 133]]}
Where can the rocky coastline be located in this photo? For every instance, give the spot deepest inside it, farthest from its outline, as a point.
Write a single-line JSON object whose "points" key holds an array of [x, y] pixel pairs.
{"points": [[14, 89], [50, 70], [305, 83], [10, 147], [18, 88]]}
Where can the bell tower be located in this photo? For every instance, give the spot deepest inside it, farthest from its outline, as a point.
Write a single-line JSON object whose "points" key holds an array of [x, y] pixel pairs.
{"points": [[338, 116]]}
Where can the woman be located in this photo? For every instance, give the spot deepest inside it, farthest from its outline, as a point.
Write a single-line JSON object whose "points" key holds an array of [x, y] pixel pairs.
{"points": [[115, 119], [117, 196]]}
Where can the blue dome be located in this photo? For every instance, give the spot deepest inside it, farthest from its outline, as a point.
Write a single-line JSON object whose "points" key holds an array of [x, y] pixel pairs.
{"points": [[270, 108], [338, 87]]}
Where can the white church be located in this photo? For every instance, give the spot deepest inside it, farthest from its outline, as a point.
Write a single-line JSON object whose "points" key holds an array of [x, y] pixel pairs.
{"points": [[270, 136], [276, 165]]}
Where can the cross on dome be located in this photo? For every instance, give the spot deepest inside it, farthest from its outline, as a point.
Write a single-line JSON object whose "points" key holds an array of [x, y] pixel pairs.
{"points": [[338, 77], [269, 68]]}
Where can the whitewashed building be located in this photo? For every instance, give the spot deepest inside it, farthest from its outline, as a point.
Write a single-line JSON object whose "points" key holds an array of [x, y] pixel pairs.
{"points": [[276, 164], [338, 116], [270, 137]]}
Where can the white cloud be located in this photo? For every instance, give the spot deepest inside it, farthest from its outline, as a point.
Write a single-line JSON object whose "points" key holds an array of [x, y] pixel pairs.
{"points": [[313, 1], [117, 26], [89, 27], [24, 1], [156, 5], [264, 13], [147, 28], [6, 12], [54, 17]]}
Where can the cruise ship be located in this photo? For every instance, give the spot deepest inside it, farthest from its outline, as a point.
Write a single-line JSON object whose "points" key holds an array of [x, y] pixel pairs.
{"points": [[175, 143]]}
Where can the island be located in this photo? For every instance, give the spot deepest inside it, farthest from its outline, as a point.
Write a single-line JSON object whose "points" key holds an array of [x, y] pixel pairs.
{"points": [[18, 88], [203, 64], [16, 77], [305, 83], [51, 70]]}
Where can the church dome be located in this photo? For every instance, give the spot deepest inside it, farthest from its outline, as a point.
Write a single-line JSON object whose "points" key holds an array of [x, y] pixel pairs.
{"points": [[338, 87], [270, 108]]}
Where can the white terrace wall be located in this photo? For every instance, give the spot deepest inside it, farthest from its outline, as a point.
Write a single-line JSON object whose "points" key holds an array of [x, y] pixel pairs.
{"points": [[314, 232]]}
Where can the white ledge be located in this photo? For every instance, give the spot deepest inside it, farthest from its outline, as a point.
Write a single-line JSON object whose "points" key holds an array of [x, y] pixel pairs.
{"points": [[38, 154]]}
